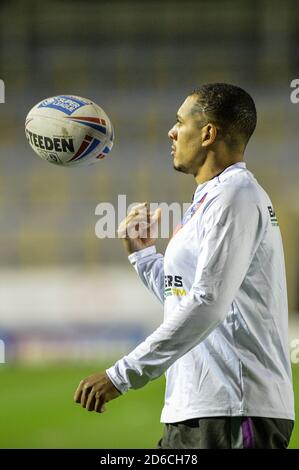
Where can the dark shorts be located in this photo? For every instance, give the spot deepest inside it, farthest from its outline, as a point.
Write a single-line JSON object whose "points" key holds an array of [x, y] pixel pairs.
{"points": [[227, 433]]}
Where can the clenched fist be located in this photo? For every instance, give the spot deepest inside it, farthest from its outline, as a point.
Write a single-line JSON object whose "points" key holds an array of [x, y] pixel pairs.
{"points": [[94, 391], [140, 228]]}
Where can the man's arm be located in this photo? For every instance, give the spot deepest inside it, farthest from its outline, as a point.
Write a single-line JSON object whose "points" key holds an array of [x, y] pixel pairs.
{"points": [[149, 266], [232, 234], [139, 231]]}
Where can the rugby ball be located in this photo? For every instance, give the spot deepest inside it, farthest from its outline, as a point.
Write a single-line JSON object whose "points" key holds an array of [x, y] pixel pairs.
{"points": [[69, 130]]}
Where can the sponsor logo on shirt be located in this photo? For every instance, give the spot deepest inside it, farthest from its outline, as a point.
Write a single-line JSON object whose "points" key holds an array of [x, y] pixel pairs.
{"points": [[273, 217], [193, 208], [173, 285], [189, 214]]}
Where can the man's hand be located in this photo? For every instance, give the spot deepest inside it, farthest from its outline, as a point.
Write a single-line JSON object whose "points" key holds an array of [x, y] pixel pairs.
{"points": [[94, 391], [140, 228]]}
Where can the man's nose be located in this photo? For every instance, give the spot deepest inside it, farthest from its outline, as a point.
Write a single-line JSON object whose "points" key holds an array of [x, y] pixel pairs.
{"points": [[172, 133]]}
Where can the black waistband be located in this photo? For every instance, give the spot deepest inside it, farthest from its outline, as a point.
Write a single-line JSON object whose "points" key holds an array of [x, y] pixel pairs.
{"points": [[191, 423]]}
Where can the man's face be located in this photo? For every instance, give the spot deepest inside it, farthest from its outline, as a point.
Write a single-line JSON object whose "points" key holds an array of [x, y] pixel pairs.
{"points": [[186, 136]]}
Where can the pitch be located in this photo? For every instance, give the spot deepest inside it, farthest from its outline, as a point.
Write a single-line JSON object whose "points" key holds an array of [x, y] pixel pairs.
{"points": [[37, 411]]}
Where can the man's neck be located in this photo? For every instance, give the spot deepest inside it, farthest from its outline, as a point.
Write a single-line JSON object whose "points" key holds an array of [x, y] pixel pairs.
{"points": [[209, 170]]}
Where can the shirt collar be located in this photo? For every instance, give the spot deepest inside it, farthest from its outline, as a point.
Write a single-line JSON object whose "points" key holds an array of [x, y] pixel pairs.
{"points": [[203, 187]]}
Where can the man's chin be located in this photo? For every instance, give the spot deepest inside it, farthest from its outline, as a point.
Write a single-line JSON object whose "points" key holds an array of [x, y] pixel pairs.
{"points": [[180, 167]]}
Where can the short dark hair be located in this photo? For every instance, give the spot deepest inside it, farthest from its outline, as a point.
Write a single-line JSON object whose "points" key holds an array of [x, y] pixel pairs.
{"points": [[229, 107]]}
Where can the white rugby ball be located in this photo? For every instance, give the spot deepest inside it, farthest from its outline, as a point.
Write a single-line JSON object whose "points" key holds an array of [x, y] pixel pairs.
{"points": [[69, 130]]}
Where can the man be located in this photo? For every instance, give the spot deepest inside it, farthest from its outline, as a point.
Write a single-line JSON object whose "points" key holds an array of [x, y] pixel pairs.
{"points": [[223, 343]]}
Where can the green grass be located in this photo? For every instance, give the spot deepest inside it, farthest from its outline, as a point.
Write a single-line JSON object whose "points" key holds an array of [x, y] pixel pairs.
{"points": [[294, 444], [37, 411]]}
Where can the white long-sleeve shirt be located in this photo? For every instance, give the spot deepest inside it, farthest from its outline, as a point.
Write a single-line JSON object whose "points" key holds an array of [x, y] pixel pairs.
{"points": [[223, 343]]}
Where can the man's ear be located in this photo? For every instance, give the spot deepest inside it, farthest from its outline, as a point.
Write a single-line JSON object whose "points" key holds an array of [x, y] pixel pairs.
{"points": [[209, 133]]}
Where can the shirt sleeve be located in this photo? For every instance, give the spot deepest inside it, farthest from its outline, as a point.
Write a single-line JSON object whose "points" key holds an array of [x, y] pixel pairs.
{"points": [[231, 236], [149, 267]]}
